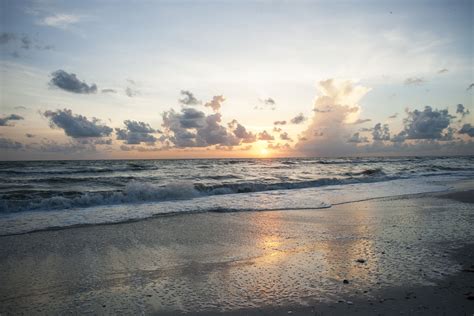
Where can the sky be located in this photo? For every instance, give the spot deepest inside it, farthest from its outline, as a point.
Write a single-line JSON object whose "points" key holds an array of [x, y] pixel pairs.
{"points": [[201, 79]]}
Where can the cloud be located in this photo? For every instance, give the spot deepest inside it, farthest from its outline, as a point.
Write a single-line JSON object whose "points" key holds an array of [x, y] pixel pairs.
{"points": [[59, 20], [277, 129], [460, 109], [467, 129], [442, 71], [188, 98], [300, 118], [5, 121], [30, 135], [426, 124], [131, 92], [361, 121], [241, 132], [8, 144], [109, 91], [393, 116], [216, 103], [357, 138], [279, 123], [285, 136], [136, 133], [414, 81], [265, 136], [192, 128], [279, 146], [265, 104], [69, 82], [334, 110], [6, 37], [75, 125], [52, 146], [380, 133], [470, 87]]}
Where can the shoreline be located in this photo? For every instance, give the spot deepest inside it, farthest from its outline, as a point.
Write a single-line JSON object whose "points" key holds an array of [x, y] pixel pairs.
{"points": [[459, 187], [254, 263]]}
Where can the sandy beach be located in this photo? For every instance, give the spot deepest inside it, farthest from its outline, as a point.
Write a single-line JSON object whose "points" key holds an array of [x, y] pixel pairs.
{"points": [[400, 255]]}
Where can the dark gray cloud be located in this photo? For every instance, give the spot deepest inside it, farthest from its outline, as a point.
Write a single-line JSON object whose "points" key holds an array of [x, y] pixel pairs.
{"points": [[380, 132], [8, 144], [51, 146], [426, 124], [357, 139], [25, 42], [414, 81], [393, 116], [300, 118], [188, 98], [109, 91], [75, 125], [441, 71], [467, 129], [30, 135], [470, 87], [192, 128], [361, 121], [265, 136], [136, 133], [241, 132], [279, 123], [460, 109], [216, 103], [20, 107], [5, 121], [69, 82]]}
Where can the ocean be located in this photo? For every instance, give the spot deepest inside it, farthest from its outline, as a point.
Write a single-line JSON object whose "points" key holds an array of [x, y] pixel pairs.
{"points": [[40, 195]]}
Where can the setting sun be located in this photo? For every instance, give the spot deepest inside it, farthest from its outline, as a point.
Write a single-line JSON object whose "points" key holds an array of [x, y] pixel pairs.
{"points": [[263, 152]]}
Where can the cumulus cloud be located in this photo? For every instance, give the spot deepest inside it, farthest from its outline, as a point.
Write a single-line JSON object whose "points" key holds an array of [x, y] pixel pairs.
{"points": [[380, 132], [241, 132], [192, 128], [426, 124], [300, 118], [8, 144], [5, 121], [414, 81], [265, 136], [460, 109], [216, 103], [75, 125], [279, 123], [188, 98], [285, 136], [69, 82], [442, 71], [357, 138], [335, 109], [467, 129], [136, 133]]}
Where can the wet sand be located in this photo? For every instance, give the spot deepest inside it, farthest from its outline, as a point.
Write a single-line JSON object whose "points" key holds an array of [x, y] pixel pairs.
{"points": [[404, 255]]}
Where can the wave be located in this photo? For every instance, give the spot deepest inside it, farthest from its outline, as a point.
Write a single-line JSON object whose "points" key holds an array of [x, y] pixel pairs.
{"points": [[141, 192]]}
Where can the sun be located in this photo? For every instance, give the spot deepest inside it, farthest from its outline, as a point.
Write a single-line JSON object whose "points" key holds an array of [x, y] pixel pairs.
{"points": [[263, 152]]}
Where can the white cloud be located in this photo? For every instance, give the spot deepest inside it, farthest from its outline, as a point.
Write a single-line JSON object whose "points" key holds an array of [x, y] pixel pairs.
{"points": [[59, 20]]}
